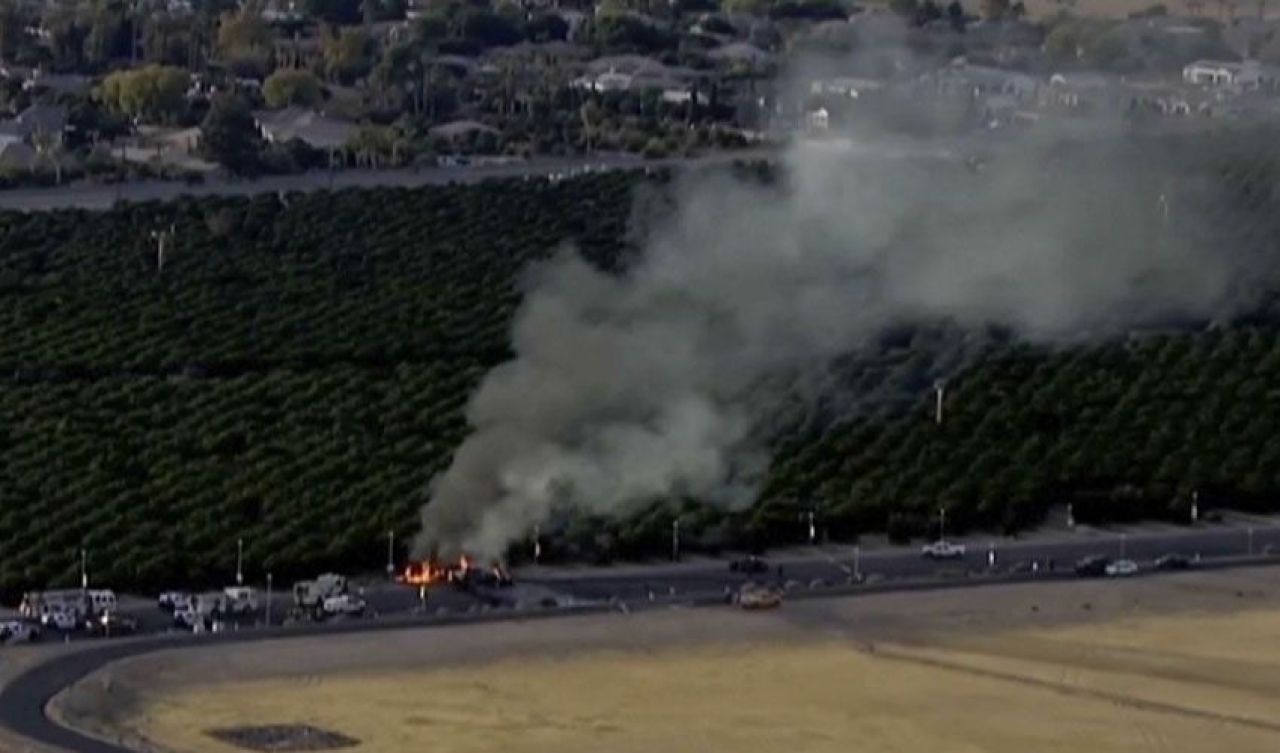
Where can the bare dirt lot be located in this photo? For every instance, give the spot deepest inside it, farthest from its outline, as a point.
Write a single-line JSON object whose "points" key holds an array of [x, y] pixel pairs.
{"points": [[1177, 663]]}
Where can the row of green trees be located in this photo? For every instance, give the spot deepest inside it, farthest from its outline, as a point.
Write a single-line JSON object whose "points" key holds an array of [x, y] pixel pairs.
{"points": [[298, 371]]}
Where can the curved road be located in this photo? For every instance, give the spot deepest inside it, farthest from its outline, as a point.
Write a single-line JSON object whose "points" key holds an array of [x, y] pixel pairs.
{"points": [[23, 700]]}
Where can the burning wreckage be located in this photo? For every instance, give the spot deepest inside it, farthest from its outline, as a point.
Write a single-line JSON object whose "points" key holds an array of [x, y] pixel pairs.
{"points": [[463, 574]]}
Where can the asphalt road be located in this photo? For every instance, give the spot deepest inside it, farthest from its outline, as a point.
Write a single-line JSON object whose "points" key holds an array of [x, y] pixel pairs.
{"points": [[22, 702], [97, 196]]}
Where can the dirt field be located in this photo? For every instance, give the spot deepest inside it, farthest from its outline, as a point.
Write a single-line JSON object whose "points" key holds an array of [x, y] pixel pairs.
{"points": [[1185, 663]]}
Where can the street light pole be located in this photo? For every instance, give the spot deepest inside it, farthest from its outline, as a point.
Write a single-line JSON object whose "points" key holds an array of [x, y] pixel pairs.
{"points": [[939, 388], [675, 540], [239, 562], [84, 570], [391, 554]]}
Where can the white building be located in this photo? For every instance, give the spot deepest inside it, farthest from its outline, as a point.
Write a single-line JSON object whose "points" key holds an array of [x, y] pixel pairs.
{"points": [[1249, 74]]}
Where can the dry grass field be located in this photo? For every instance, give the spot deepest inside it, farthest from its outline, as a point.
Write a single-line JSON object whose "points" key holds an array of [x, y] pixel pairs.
{"points": [[1190, 663]]}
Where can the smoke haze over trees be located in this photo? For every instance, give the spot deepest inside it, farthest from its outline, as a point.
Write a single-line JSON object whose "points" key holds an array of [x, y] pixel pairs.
{"points": [[664, 382]]}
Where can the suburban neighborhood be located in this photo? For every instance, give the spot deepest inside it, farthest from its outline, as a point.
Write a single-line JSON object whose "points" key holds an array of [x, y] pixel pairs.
{"points": [[111, 90]]}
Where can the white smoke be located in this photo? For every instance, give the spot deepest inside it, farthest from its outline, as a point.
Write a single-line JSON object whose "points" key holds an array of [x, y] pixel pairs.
{"points": [[633, 387]]}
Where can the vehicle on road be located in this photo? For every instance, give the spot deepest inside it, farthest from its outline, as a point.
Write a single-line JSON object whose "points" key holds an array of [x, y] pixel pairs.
{"points": [[110, 624], [36, 604], [239, 600], [61, 616], [344, 604], [1093, 566], [101, 600], [18, 631], [943, 550], [1121, 568], [170, 601], [753, 597], [750, 565], [311, 594], [1172, 562], [468, 578]]}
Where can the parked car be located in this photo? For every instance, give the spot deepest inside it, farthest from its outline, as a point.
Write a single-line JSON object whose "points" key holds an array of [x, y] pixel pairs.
{"points": [[943, 550], [1172, 562], [344, 604], [759, 597], [110, 624], [239, 600], [60, 616], [750, 565], [1092, 566], [1121, 568], [171, 601], [17, 631]]}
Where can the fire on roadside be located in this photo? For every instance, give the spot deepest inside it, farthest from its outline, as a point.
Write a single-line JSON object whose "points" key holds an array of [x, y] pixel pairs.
{"points": [[431, 572]]}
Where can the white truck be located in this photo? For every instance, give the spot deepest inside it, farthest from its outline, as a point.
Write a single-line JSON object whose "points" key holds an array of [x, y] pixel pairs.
{"points": [[239, 600], [345, 605], [943, 550], [311, 594]]}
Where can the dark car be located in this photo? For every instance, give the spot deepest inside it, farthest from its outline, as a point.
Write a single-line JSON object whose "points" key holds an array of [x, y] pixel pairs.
{"points": [[109, 624], [477, 577], [1172, 562], [1092, 567], [750, 565]]}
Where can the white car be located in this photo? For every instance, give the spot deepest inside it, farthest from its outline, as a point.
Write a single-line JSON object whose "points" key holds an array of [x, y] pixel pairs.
{"points": [[943, 550], [173, 600], [344, 604], [60, 618], [1121, 568], [17, 631]]}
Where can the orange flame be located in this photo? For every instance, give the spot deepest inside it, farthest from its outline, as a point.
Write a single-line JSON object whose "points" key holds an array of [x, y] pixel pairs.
{"points": [[430, 572]]}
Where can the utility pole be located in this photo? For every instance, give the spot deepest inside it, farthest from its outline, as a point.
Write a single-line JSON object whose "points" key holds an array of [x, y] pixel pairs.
{"points": [[239, 562], [162, 238], [391, 554], [675, 540], [939, 389], [84, 570]]}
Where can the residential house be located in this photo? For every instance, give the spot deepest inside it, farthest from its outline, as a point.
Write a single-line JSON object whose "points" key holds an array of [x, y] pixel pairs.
{"points": [[741, 55], [16, 154], [460, 130], [850, 87], [57, 83], [1084, 90], [314, 129], [37, 123], [979, 81], [1242, 76]]}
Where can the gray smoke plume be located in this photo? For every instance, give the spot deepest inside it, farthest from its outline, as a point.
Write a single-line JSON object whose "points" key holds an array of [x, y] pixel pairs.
{"points": [[658, 381]]}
